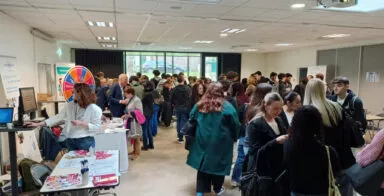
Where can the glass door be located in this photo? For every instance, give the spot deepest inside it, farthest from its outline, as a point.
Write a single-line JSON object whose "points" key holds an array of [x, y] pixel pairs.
{"points": [[211, 67]]}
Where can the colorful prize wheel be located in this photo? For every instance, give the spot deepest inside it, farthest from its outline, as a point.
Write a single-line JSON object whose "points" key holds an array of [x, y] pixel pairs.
{"points": [[77, 74]]}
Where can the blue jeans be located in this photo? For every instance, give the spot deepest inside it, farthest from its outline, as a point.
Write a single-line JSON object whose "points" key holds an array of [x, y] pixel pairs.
{"points": [[154, 119], [51, 146], [182, 118], [236, 174], [147, 133], [83, 143]]}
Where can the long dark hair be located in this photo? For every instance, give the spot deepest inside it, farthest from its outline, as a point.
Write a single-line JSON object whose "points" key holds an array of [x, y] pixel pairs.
{"points": [[195, 93], [307, 126], [85, 93], [212, 100], [257, 100]]}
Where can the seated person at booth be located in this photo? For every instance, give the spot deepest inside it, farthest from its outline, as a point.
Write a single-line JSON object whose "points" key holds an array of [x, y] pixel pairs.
{"points": [[82, 117]]}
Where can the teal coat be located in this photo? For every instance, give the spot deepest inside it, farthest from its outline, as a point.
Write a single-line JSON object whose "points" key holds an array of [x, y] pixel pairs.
{"points": [[212, 149]]}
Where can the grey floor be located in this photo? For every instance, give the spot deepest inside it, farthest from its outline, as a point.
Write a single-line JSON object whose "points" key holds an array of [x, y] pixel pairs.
{"points": [[163, 171]]}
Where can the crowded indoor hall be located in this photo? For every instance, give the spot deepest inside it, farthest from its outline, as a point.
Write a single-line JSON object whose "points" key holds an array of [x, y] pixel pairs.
{"points": [[191, 97]]}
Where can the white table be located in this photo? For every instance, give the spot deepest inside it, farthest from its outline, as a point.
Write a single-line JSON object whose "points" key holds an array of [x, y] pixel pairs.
{"points": [[61, 169], [112, 138]]}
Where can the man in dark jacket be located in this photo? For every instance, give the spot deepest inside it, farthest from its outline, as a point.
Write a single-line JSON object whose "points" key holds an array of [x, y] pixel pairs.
{"points": [[281, 85], [348, 100], [116, 97], [156, 79], [180, 97], [102, 98]]}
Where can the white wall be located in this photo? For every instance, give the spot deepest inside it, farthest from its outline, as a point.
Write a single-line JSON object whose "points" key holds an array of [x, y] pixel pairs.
{"points": [[17, 41], [250, 63]]}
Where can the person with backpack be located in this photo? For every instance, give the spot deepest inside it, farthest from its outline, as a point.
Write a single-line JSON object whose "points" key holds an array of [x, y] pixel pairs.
{"points": [[350, 102], [156, 79], [334, 131]]}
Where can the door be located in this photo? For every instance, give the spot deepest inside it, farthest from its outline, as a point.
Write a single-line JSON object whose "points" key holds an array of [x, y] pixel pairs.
{"points": [[211, 67]]}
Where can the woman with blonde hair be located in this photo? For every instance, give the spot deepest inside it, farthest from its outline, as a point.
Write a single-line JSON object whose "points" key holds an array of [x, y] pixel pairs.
{"points": [[332, 118]]}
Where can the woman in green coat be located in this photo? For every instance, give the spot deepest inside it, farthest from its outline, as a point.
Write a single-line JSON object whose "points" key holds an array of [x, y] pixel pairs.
{"points": [[212, 149]]}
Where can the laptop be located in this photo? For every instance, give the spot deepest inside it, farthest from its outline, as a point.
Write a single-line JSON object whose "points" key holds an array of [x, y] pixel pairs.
{"points": [[6, 116]]}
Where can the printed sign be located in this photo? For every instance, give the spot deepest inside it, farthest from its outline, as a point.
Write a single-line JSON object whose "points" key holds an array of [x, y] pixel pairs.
{"points": [[9, 76]]}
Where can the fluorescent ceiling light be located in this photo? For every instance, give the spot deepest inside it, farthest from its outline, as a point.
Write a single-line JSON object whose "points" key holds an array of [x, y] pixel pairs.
{"points": [[90, 23], [106, 38], [225, 30], [203, 42], [230, 30], [242, 30], [283, 44], [251, 50], [298, 5], [111, 24], [113, 38], [233, 30], [99, 38], [223, 35], [336, 35], [100, 24], [362, 6], [109, 45]]}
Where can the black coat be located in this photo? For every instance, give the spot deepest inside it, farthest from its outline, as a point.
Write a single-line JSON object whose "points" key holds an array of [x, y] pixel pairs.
{"points": [[115, 95], [260, 133], [102, 98], [355, 108], [284, 119], [148, 104]]}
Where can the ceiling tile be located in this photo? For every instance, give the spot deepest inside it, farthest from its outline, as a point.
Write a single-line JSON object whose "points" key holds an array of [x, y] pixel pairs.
{"points": [[210, 10], [135, 5], [14, 2], [97, 16]]}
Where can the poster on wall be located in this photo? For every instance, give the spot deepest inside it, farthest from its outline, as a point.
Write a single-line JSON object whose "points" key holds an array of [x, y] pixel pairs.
{"points": [[10, 77], [61, 71], [373, 77]]}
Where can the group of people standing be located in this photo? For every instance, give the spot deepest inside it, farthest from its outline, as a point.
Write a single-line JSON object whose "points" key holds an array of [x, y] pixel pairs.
{"points": [[297, 138]]}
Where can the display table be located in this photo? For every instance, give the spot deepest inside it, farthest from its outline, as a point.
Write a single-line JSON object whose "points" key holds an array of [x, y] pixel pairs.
{"points": [[70, 165], [13, 157], [376, 126], [114, 139]]}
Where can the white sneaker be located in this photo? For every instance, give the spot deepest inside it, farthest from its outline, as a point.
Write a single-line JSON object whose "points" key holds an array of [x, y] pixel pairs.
{"points": [[222, 191], [234, 184], [181, 141]]}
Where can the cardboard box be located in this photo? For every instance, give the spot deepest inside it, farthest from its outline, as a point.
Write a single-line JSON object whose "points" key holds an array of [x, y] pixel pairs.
{"points": [[44, 97]]}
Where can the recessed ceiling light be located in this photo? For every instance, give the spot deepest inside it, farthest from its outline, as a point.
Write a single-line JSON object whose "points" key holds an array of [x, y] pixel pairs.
{"points": [[223, 35], [336, 35], [113, 38], [251, 50], [90, 23], [111, 24], [298, 5], [99, 38], [106, 38], [283, 44], [100, 24], [203, 42]]}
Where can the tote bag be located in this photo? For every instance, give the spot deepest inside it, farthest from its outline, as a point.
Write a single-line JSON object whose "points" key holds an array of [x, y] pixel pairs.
{"points": [[366, 180], [333, 190]]}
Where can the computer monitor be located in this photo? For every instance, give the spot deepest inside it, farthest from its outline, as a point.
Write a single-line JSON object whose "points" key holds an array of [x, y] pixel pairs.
{"points": [[28, 100], [6, 115]]}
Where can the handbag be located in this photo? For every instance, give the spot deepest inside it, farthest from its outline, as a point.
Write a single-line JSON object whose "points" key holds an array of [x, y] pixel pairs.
{"points": [[135, 130], [333, 190], [189, 128], [189, 132], [366, 180]]}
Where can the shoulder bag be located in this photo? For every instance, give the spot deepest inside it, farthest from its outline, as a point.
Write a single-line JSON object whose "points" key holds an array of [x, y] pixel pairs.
{"points": [[333, 190]]}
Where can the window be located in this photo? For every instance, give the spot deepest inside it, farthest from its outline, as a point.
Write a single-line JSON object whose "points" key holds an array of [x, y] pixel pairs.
{"points": [[211, 68], [171, 63]]}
